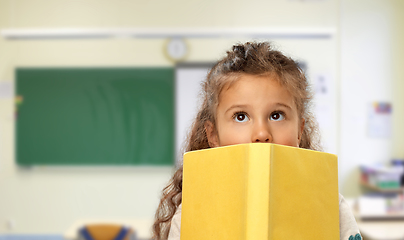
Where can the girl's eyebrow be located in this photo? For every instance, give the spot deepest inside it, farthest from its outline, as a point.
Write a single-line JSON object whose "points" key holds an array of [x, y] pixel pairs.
{"points": [[235, 106], [245, 106], [283, 105]]}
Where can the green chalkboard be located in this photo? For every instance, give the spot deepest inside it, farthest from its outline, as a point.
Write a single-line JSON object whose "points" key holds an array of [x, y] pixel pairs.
{"points": [[95, 116]]}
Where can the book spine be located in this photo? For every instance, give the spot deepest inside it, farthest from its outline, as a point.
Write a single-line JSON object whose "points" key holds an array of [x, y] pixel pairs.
{"points": [[257, 204]]}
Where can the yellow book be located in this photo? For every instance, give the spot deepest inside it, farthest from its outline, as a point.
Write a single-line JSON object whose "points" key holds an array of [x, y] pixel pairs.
{"points": [[259, 191]]}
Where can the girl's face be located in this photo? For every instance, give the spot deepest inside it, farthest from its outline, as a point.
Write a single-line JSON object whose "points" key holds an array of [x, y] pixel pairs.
{"points": [[255, 109]]}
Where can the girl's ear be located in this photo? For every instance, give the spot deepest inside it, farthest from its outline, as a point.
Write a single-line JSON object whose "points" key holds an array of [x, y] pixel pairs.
{"points": [[299, 137], [211, 133]]}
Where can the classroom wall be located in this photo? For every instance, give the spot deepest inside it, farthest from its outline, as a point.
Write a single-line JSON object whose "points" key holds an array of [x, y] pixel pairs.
{"points": [[49, 199], [176, 13], [398, 79], [371, 56]]}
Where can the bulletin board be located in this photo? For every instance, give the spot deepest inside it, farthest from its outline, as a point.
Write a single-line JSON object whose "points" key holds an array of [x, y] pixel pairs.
{"points": [[95, 116]]}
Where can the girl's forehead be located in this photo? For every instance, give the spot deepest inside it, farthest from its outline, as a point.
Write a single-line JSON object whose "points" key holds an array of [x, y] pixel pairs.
{"points": [[233, 78], [253, 86], [247, 80], [262, 89]]}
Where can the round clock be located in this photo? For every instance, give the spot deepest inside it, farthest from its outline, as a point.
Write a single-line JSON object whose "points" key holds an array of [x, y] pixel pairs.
{"points": [[176, 49]]}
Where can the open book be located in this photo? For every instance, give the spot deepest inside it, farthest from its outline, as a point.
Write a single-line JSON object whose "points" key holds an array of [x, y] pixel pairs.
{"points": [[259, 191]]}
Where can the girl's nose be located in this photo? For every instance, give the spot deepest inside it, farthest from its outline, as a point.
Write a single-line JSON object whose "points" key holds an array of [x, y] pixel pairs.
{"points": [[262, 134]]}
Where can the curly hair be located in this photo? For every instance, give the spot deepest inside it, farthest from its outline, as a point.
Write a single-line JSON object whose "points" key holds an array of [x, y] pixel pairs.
{"points": [[250, 58]]}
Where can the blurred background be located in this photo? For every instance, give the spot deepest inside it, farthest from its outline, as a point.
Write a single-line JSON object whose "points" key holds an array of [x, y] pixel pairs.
{"points": [[351, 50]]}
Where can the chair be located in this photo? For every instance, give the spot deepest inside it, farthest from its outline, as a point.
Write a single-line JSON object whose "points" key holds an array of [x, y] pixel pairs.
{"points": [[106, 232]]}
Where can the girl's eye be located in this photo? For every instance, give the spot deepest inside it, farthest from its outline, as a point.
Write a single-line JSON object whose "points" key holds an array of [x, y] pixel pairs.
{"points": [[277, 116], [240, 117]]}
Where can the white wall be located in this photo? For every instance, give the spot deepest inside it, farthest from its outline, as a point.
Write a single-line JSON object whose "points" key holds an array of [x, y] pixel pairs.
{"points": [[174, 13], [398, 78], [369, 52]]}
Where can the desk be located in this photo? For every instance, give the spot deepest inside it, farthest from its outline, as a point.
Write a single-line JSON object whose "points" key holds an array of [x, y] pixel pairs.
{"points": [[382, 230], [377, 229], [142, 227]]}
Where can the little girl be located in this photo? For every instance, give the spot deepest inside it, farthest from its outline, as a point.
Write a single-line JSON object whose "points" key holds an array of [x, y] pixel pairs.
{"points": [[254, 94]]}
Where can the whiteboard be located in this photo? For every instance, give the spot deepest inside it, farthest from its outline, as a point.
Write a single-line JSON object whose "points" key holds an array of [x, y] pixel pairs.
{"points": [[188, 79]]}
